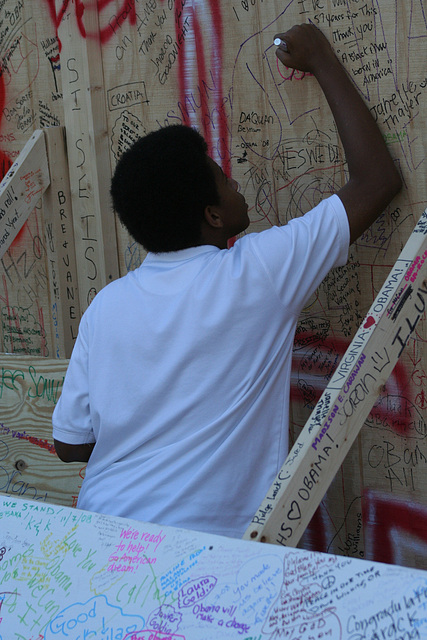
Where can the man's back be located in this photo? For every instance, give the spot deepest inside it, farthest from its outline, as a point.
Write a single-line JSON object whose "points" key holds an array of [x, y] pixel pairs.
{"points": [[188, 362]]}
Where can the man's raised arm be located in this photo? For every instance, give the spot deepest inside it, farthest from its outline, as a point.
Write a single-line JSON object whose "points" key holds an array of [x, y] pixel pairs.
{"points": [[373, 178]]}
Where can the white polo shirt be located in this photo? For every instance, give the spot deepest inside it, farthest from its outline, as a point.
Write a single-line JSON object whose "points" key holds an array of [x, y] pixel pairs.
{"points": [[181, 375]]}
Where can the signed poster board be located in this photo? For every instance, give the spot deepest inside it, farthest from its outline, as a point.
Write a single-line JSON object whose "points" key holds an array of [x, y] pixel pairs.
{"points": [[67, 573], [109, 72]]}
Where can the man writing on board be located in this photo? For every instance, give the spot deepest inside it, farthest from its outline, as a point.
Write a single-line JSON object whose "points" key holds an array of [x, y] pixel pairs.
{"points": [[177, 392]]}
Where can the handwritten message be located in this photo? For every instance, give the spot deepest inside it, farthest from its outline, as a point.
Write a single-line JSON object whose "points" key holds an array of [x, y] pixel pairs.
{"points": [[56, 582]]}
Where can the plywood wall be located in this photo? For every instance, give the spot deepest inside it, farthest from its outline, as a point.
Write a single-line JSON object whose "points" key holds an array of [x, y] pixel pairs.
{"points": [[111, 71]]}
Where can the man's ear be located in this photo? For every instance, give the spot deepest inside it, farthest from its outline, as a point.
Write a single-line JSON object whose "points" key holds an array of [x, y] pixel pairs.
{"points": [[213, 217]]}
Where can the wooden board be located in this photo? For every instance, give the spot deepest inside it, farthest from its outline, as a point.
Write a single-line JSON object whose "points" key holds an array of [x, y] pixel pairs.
{"points": [[346, 402], [212, 65], [21, 189], [60, 246], [73, 574], [29, 466], [88, 154]]}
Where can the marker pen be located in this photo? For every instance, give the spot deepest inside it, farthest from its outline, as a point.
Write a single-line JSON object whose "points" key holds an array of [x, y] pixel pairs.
{"points": [[279, 41]]}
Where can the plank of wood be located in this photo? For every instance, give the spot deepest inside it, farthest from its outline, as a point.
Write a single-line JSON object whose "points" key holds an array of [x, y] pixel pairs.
{"points": [[88, 151], [346, 402], [29, 390], [21, 188], [60, 246]]}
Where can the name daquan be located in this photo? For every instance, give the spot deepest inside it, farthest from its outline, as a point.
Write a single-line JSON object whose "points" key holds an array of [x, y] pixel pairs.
{"points": [[255, 118]]}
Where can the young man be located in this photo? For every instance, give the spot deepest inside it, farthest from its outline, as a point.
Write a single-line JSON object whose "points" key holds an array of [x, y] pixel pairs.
{"points": [[177, 392]]}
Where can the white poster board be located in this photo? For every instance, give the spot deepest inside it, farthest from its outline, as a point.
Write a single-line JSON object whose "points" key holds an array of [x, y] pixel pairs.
{"points": [[75, 575]]}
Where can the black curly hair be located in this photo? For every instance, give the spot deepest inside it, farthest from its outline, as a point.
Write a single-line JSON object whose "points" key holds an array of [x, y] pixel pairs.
{"points": [[161, 187]]}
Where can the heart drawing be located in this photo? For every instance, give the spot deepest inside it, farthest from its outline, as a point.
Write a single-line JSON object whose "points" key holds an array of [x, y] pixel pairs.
{"points": [[369, 322]]}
